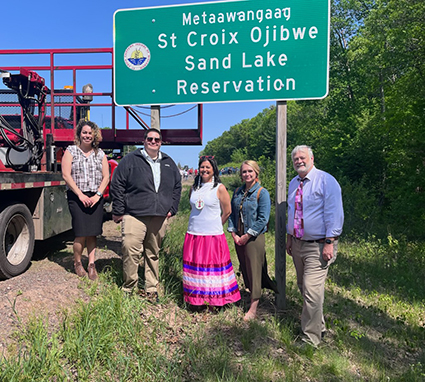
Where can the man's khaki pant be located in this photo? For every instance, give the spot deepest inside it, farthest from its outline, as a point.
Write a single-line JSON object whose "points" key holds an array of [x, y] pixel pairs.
{"points": [[141, 242], [311, 275]]}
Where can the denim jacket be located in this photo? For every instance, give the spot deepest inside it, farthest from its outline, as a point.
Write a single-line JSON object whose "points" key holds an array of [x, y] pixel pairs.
{"points": [[255, 213]]}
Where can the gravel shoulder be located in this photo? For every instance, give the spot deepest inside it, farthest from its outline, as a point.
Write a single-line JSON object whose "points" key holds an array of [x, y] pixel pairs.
{"points": [[50, 285]]}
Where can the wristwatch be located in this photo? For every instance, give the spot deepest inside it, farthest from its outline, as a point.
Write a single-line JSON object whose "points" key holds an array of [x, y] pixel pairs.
{"points": [[329, 241], [98, 193]]}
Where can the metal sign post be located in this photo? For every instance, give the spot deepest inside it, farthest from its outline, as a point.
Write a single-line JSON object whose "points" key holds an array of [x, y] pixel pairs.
{"points": [[280, 203]]}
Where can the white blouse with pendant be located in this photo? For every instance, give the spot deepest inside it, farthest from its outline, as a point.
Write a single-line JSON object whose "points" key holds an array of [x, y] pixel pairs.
{"points": [[205, 217]]}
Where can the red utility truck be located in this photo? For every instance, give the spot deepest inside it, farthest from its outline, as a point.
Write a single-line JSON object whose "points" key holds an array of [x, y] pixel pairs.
{"points": [[36, 125]]}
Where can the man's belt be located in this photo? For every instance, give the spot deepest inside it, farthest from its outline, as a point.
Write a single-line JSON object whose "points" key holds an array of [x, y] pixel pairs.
{"points": [[314, 241]]}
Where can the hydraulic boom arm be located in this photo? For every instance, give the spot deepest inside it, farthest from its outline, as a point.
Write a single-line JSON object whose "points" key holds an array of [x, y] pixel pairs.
{"points": [[31, 91]]}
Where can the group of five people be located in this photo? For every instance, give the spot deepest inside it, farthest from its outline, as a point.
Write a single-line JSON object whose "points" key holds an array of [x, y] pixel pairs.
{"points": [[146, 189]]}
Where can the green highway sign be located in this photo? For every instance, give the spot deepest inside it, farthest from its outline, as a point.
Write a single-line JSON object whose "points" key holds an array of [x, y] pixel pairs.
{"points": [[222, 51]]}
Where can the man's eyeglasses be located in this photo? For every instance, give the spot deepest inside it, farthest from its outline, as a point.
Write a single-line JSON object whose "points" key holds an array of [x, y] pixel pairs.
{"points": [[203, 157], [152, 139]]}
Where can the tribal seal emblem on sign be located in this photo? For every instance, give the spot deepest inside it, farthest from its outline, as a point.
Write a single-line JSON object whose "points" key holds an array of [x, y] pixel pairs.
{"points": [[137, 56]]}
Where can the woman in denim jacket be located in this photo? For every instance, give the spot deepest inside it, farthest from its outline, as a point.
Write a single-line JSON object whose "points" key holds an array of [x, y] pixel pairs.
{"points": [[248, 223]]}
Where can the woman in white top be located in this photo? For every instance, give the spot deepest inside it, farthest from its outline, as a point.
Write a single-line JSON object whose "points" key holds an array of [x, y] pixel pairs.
{"points": [[208, 276], [85, 170]]}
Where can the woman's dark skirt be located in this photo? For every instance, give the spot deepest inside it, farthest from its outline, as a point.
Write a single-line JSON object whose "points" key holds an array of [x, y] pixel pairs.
{"points": [[86, 221]]}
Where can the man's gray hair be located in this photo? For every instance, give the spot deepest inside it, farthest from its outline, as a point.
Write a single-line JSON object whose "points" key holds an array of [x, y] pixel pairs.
{"points": [[302, 148]]}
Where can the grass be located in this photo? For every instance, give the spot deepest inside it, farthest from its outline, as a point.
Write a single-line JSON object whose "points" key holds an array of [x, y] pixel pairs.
{"points": [[374, 307]]}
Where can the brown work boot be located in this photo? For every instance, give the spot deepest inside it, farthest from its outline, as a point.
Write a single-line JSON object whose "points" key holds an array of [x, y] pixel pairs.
{"points": [[79, 269], [92, 272], [152, 297]]}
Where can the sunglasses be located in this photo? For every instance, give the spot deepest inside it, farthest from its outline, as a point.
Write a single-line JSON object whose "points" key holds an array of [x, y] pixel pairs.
{"points": [[203, 157], [152, 139]]}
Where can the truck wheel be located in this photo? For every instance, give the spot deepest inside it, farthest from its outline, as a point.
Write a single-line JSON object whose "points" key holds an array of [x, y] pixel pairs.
{"points": [[17, 240]]}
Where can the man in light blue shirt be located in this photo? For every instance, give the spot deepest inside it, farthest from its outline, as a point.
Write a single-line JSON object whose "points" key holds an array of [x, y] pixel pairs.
{"points": [[315, 220]]}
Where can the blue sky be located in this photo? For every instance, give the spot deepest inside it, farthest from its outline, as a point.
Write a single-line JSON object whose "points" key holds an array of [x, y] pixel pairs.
{"points": [[89, 24]]}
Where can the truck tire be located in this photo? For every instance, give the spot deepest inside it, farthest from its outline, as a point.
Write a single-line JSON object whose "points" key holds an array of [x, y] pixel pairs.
{"points": [[16, 240]]}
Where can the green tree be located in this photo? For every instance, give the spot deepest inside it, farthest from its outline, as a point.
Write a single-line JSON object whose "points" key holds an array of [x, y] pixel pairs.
{"points": [[369, 132]]}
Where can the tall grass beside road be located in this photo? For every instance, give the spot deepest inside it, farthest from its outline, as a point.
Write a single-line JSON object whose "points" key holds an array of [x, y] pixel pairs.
{"points": [[374, 307]]}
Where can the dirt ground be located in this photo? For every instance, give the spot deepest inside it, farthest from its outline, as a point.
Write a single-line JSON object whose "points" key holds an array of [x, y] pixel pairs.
{"points": [[50, 284]]}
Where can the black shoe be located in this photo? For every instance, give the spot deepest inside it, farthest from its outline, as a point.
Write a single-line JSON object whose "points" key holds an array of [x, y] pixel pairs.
{"points": [[304, 344], [152, 297]]}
